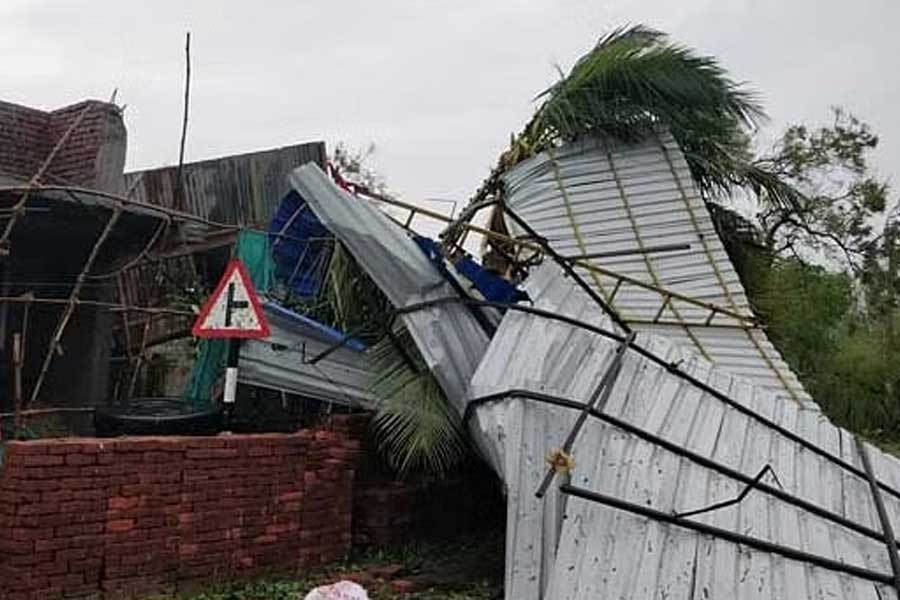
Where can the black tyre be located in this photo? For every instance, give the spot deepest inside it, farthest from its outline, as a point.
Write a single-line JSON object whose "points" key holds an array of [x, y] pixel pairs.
{"points": [[157, 416]]}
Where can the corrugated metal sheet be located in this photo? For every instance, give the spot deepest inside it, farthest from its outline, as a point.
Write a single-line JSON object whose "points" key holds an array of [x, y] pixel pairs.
{"points": [[608, 553], [567, 548], [597, 195], [281, 362], [448, 337], [241, 190]]}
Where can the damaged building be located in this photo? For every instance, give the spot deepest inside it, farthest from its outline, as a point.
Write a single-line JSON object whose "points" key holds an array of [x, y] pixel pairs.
{"points": [[58, 238]]}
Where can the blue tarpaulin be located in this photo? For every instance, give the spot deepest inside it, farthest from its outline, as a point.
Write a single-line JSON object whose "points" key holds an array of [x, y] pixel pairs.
{"points": [[491, 286], [301, 246]]}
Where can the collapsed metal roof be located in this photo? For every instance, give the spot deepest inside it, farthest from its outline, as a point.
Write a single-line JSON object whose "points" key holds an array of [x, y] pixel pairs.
{"points": [[601, 196], [691, 478], [668, 445]]}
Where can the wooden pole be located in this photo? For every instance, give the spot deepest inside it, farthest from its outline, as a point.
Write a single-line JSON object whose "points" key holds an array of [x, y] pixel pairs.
{"points": [[17, 359], [179, 183], [139, 359], [126, 329]]}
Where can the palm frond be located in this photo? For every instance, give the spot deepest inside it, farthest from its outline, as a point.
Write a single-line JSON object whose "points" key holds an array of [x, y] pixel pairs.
{"points": [[414, 426], [636, 79], [348, 299], [772, 189]]}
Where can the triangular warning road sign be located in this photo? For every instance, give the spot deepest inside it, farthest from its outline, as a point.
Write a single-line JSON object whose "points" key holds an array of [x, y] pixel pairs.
{"points": [[233, 310]]}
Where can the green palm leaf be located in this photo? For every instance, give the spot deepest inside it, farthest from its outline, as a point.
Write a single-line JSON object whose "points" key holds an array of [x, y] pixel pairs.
{"points": [[414, 426], [636, 79]]}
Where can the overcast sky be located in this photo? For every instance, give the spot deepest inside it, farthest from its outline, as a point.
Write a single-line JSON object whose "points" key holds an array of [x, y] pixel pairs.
{"points": [[438, 86]]}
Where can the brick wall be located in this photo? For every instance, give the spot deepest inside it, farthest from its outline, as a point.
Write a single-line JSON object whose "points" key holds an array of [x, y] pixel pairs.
{"points": [[93, 156], [388, 512], [24, 139], [95, 150], [84, 517]]}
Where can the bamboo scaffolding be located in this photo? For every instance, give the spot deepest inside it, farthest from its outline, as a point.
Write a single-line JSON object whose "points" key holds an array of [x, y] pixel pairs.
{"points": [[748, 319]]}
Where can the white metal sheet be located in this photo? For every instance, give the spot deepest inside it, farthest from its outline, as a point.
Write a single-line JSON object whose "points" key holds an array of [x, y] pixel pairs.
{"points": [[283, 362], [607, 553], [598, 195], [448, 336]]}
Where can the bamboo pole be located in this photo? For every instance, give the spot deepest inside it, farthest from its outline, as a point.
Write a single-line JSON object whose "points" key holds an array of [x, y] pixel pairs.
{"points": [[579, 262], [139, 359], [17, 360], [112, 306], [126, 330], [48, 411], [20, 364], [179, 182]]}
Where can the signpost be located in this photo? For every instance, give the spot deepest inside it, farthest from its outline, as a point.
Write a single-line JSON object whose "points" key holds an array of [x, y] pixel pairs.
{"points": [[232, 312]]}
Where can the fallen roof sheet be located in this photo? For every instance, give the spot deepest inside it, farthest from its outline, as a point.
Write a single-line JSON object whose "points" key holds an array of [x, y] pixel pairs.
{"points": [[566, 547], [676, 433], [449, 337], [283, 361], [596, 195]]}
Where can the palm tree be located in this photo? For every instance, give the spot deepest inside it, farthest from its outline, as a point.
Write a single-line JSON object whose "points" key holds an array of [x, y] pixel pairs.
{"points": [[634, 80]]}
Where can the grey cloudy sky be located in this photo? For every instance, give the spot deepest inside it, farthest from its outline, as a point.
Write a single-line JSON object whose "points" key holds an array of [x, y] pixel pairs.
{"points": [[437, 85]]}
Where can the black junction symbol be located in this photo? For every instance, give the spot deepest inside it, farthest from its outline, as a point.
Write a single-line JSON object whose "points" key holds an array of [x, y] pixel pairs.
{"points": [[232, 304]]}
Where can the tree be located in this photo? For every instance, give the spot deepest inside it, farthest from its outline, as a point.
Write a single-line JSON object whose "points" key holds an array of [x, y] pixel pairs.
{"points": [[837, 197], [823, 277], [635, 80]]}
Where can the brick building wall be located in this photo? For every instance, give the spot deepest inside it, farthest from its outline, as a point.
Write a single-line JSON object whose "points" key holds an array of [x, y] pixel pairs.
{"points": [[93, 156], [122, 518], [24, 139]]}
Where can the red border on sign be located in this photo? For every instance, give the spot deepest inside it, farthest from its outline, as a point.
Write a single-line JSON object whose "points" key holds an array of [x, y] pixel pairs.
{"points": [[215, 332]]}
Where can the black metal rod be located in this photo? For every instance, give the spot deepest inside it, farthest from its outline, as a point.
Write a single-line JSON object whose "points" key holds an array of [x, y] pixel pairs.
{"points": [[698, 459], [886, 526], [630, 251], [736, 500], [730, 536], [601, 393], [671, 367], [569, 270]]}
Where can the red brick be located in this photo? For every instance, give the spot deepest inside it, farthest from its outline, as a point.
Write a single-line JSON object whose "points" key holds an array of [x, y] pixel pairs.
{"points": [[26, 448], [119, 503], [80, 459], [35, 460], [120, 525]]}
